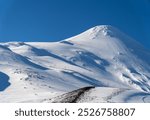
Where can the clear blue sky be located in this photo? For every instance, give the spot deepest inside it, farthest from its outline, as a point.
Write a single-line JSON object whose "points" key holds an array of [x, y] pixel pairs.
{"points": [[53, 20]]}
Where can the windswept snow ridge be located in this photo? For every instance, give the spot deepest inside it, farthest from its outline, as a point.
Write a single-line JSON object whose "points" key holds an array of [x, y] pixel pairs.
{"points": [[115, 65]]}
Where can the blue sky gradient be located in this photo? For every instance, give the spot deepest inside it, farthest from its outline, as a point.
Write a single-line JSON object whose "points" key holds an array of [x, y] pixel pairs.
{"points": [[53, 20]]}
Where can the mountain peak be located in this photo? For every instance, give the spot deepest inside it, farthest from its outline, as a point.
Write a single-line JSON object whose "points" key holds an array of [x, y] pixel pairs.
{"points": [[97, 32], [106, 30], [102, 27]]}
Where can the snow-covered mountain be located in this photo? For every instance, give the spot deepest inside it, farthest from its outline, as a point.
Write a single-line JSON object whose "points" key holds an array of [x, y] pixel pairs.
{"points": [[115, 67]]}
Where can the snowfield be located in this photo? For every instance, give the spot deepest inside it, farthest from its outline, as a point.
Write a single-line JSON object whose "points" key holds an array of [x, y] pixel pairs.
{"points": [[101, 64]]}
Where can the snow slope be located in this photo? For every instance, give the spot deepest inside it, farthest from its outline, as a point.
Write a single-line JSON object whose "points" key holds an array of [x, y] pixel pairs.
{"points": [[102, 57]]}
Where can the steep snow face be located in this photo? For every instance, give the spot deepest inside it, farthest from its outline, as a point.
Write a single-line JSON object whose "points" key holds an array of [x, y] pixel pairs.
{"points": [[126, 59], [101, 56]]}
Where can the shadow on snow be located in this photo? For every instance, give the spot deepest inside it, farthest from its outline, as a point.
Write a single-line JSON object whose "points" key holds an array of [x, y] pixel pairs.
{"points": [[4, 81]]}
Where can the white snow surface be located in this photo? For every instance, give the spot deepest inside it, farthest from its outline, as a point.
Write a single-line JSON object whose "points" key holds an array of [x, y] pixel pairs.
{"points": [[102, 56]]}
